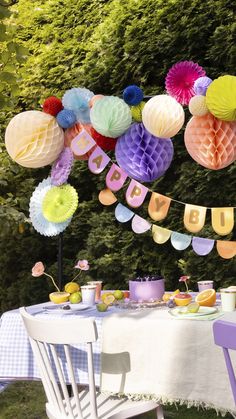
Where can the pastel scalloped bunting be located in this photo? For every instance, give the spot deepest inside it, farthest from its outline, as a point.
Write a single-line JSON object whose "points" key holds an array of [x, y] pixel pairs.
{"points": [[123, 214], [140, 225]]}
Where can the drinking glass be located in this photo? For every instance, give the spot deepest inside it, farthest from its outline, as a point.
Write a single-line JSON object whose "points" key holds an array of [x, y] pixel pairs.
{"points": [[98, 285], [88, 294]]}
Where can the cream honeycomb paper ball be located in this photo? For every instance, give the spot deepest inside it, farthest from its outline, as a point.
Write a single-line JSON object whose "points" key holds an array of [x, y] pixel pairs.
{"points": [[197, 106], [163, 116], [34, 139]]}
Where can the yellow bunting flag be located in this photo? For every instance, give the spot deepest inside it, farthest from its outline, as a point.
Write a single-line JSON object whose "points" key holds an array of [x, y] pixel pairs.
{"points": [[222, 220], [158, 206], [226, 249], [194, 217], [160, 235], [106, 197]]}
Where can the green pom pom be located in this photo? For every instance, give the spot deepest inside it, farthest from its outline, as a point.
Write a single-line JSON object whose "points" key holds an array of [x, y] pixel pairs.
{"points": [[136, 111], [60, 203]]}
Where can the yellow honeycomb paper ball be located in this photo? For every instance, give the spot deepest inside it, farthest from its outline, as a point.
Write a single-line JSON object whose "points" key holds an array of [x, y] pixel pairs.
{"points": [[34, 139], [221, 98]]}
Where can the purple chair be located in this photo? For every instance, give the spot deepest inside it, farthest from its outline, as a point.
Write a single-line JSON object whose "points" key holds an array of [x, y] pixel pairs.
{"points": [[225, 336]]}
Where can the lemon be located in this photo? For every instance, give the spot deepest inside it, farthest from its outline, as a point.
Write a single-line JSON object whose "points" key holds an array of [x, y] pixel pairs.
{"points": [[118, 294], [109, 299], [59, 297], [166, 297], [72, 287], [102, 307], [104, 295], [175, 292], [193, 307]]}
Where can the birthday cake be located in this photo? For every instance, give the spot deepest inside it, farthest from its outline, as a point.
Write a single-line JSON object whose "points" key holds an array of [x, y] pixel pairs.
{"points": [[146, 288]]}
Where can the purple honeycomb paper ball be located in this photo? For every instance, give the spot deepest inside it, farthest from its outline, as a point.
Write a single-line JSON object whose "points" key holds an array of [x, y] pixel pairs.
{"points": [[143, 156], [201, 85]]}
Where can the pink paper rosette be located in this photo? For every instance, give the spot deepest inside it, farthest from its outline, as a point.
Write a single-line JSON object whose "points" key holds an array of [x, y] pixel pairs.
{"points": [[180, 80]]}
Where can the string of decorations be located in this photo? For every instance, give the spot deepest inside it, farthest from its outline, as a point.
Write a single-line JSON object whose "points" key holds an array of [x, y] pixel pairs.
{"points": [[140, 133]]}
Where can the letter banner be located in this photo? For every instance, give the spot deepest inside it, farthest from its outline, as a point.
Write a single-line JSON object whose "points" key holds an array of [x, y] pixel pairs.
{"points": [[82, 143], [160, 235], [226, 249], [106, 197], [158, 206], [222, 220], [194, 217], [98, 161], [135, 194], [115, 178]]}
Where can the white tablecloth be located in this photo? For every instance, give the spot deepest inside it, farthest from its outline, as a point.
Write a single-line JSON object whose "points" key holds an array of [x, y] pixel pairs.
{"points": [[179, 356]]}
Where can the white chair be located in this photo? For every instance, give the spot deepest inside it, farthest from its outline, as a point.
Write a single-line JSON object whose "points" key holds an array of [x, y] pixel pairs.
{"points": [[44, 336]]}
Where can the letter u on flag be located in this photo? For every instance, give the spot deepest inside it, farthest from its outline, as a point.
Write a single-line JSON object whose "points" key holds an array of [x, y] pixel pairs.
{"points": [[222, 220], [194, 217]]}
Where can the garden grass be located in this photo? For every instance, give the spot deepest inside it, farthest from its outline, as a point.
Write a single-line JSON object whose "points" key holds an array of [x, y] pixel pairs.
{"points": [[23, 400]]}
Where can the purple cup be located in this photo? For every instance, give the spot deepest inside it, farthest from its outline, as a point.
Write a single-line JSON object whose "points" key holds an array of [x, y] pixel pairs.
{"points": [[146, 290], [204, 285]]}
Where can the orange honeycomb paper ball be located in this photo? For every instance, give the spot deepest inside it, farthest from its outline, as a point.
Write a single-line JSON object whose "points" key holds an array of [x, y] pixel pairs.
{"points": [[210, 141], [71, 133], [34, 139]]}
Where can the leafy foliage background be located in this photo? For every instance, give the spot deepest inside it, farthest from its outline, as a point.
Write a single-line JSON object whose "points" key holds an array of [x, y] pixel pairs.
{"points": [[53, 45]]}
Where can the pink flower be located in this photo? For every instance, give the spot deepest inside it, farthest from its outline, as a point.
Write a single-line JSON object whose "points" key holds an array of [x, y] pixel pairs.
{"points": [[184, 278], [83, 265], [38, 269]]}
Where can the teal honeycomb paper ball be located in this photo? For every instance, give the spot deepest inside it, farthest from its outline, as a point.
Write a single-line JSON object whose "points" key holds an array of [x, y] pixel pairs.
{"points": [[111, 116]]}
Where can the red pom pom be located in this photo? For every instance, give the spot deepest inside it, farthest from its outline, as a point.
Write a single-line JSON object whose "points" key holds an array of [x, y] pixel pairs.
{"points": [[106, 143], [52, 105]]}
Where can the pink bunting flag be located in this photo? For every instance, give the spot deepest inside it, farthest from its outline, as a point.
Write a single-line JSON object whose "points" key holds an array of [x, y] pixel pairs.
{"points": [[98, 161], [135, 194], [115, 178], [82, 143]]}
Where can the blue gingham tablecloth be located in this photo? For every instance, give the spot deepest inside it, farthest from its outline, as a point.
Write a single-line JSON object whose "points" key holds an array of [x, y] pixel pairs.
{"points": [[16, 356]]}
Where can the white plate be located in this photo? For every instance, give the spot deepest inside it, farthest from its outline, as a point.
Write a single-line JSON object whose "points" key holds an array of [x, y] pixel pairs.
{"points": [[203, 311], [59, 308]]}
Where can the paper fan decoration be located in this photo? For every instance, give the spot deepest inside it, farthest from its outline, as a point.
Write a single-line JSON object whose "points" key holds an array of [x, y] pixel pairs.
{"points": [[110, 116], [39, 222], [143, 156], [221, 98], [180, 80], [62, 167], [34, 139], [211, 142], [60, 203], [163, 116]]}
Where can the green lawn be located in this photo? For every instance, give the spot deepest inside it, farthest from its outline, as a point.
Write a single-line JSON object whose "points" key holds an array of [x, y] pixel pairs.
{"points": [[23, 400]]}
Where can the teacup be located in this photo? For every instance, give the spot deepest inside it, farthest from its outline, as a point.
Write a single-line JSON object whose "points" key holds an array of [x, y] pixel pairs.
{"points": [[204, 285]]}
